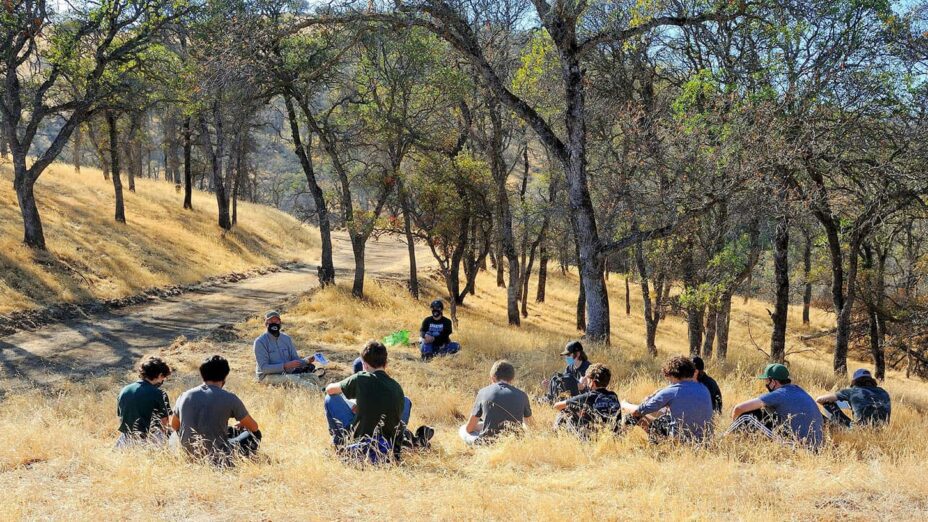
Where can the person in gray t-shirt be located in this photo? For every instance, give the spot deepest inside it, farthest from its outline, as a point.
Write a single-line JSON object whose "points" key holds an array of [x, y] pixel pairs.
{"points": [[202, 416], [499, 406]]}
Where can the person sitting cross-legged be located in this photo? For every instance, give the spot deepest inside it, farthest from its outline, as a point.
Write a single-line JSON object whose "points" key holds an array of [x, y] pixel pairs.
{"points": [[276, 359], [202, 418], [598, 408], [380, 410], [682, 410], [499, 407], [786, 413], [870, 403], [436, 332], [143, 407]]}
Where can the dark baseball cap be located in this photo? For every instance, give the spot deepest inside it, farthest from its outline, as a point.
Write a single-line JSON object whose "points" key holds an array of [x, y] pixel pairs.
{"points": [[572, 347], [862, 372]]}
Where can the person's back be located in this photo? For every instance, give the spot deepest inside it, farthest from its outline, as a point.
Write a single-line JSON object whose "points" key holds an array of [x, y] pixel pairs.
{"points": [[596, 408], [204, 414], [380, 403], [690, 407], [799, 411], [501, 406], [871, 404], [139, 405]]}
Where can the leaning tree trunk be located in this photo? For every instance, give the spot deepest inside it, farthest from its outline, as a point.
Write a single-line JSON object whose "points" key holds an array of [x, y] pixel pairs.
{"points": [[77, 143], [781, 299], [712, 315], [188, 175], [33, 235], [358, 244], [114, 165], [304, 153]]}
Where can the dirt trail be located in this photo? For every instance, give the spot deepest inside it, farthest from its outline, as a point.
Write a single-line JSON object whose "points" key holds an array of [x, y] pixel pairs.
{"points": [[117, 339]]}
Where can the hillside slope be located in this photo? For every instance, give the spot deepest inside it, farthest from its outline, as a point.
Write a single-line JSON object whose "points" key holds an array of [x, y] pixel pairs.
{"points": [[92, 257], [543, 475]]}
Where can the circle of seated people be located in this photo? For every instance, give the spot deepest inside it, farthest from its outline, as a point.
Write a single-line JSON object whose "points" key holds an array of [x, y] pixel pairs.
{"points": [[368, 413]]}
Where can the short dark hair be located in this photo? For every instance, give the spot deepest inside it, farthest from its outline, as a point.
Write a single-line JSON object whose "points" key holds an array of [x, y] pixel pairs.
{"points": [[698, 363], [679, 367], [865, 381], [599, 374], [503, 370], [374, 354], [154, 367], [214, 369]]}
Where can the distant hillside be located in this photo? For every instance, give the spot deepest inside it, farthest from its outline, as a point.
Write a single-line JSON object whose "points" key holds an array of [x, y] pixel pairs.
{"points": [[91, 256]]}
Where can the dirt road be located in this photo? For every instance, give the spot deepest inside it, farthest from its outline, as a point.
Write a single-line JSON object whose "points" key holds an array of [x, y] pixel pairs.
{"points": [[98, 344]]}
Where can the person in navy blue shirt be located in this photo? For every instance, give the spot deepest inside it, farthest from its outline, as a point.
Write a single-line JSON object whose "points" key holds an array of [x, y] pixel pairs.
{"points": [[870, 403], [570, 382]]}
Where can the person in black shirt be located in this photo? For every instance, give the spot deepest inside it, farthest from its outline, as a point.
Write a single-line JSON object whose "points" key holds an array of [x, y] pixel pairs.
{"points": [[436, 334], [709, 383], [570, 382], [595, 409]]}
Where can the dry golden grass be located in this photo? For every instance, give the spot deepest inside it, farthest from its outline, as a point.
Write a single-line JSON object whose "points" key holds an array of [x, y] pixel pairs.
{"points": [[57, 459], [92, 256]]}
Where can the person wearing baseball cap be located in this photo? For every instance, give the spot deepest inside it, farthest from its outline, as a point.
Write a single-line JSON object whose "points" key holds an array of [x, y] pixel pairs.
{"points": [[277, 361], [870, 403], [435, 333], [786, 411], [571, 381]]}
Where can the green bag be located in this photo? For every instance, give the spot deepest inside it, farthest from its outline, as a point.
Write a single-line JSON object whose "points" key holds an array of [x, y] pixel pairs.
{"points": [[397, 338]]}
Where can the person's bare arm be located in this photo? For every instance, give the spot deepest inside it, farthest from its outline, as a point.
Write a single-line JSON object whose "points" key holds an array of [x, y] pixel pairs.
{"points": [[472, 424], [334, 389], [560, 406], [528, 422], [249, 424], [175, 422], [827, 398], [745, 407]]}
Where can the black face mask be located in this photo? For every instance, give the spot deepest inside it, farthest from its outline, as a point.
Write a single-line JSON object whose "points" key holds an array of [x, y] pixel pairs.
{"points": [[769, 387], [274, 329], [436, 313]]}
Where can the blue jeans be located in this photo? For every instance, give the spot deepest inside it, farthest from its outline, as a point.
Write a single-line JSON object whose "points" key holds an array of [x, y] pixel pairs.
{"points": [[429, 350], [339, 416]]}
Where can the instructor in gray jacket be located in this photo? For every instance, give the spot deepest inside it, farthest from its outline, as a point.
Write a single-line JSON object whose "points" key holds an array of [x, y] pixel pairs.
{"points": [[277, 360]]}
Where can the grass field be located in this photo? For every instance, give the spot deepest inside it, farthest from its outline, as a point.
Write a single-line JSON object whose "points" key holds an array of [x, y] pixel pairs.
{"points": [[91, 256], [57, 461]]}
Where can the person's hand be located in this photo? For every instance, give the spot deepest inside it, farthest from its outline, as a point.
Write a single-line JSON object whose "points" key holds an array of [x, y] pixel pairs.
{"points": [[429, 339], [584, 382], [545, 382], [293, 365]]}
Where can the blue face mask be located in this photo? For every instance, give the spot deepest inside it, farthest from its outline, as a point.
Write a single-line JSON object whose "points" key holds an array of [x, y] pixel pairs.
{"points": [[570, 361]]}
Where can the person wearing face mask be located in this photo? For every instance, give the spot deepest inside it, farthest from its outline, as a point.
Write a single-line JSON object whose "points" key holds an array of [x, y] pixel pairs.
{"points": [[143, 407], [277, 360], [202, 418], [786, 412], [435, 333], [682, 410], [571, 381]]}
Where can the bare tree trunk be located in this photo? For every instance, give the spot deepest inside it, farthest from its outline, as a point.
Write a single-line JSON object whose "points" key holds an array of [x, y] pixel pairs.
{"points": [[722, 322], [712, 315], [304, 153], [114, 162], [542, 274], [215, 158], [188, 176], [77, 145], [807, 275], [781, 300], [357, 247], [694, 312], [410, 245], [651, 316], [628, 297], [4, 140], [33, 235], [581, 301]]}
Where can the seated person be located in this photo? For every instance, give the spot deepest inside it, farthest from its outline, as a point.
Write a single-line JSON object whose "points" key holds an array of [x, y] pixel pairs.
{"points": [[869, 402], [202, 418], [143, 407], [703, 378], [499, 407], [380, 409], [570, 382], [682, 410], [277, 360], [435, 333], [595, 409], [785, 411]]}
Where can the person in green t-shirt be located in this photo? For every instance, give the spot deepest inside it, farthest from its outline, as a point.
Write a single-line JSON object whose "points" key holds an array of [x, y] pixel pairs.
{"points": [[369, 403], [143, 407]]}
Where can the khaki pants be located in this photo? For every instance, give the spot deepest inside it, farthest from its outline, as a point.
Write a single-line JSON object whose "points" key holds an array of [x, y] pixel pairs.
{"points": [[306, 380]]}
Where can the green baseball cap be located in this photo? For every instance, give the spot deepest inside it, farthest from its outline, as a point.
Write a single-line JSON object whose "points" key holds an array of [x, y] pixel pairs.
{"points": [[775, 371]]}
